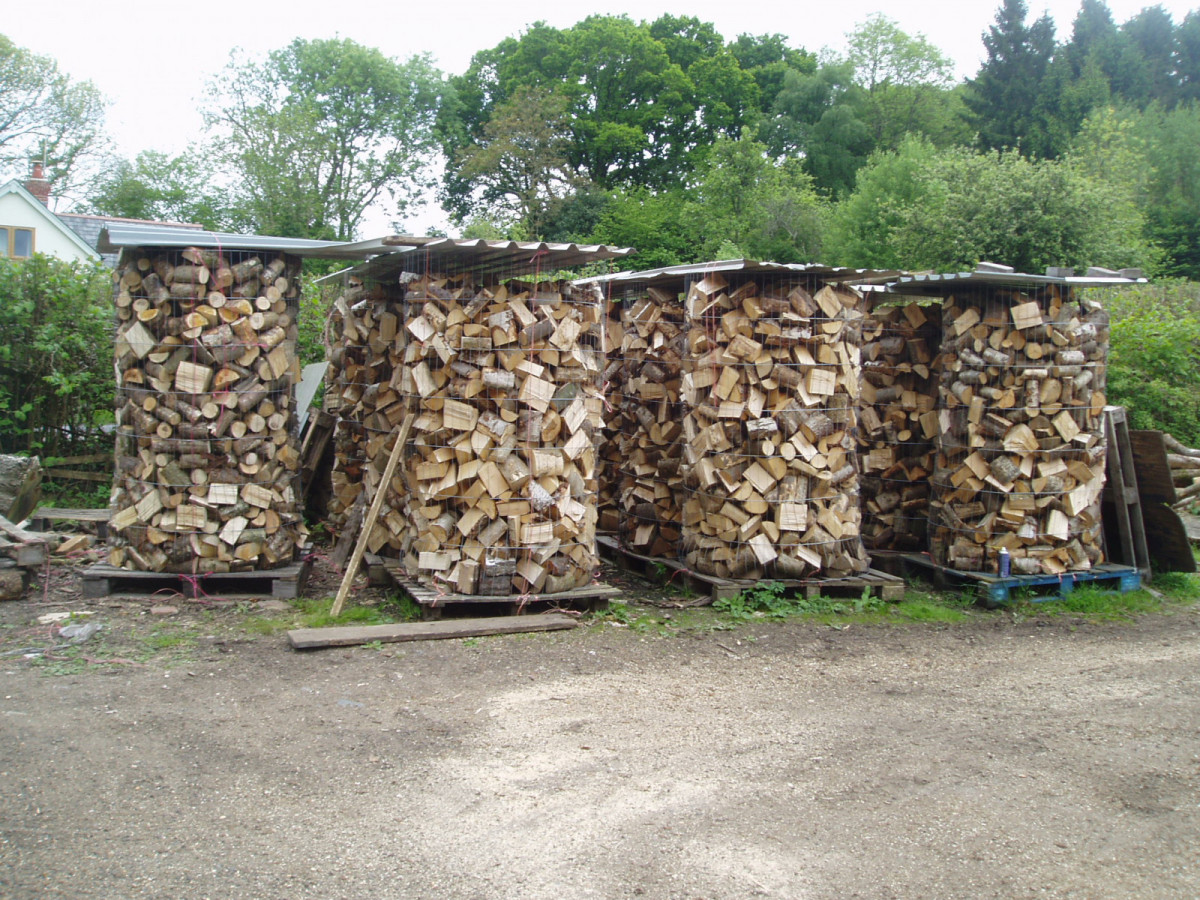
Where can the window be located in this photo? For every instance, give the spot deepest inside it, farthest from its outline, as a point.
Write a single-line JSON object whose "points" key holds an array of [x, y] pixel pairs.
{"points": [[16, 242]]}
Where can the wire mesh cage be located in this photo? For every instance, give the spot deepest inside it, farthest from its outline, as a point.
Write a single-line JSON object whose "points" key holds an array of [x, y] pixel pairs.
{"points": [[770, 388], [206, 455], [898, 419], [1021, 446], [501, 369], [644, 419]]}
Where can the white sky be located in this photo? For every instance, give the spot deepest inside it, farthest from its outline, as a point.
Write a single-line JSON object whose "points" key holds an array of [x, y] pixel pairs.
{"points": [[151, 59]]}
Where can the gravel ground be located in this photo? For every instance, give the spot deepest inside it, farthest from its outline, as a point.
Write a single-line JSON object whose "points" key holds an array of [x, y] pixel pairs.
{"points": [[996, 758]]}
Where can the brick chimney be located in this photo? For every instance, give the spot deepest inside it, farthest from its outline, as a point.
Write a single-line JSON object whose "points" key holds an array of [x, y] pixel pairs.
{"points": [[38, 185]]}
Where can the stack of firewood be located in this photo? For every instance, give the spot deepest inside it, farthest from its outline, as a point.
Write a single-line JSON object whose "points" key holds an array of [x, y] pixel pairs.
{"points": [[771, 375], [366, 348], [206, 452], [898, 422], [1021, 449], [496, 492], [608, 444], [647, 422], [1185, 472]]}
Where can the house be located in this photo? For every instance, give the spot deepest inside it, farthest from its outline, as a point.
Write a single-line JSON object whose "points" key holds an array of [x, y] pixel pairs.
{"points": [[27, 226]]}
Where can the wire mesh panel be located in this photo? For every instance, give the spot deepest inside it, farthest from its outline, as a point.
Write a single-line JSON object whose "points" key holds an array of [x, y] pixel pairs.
{"points": [[647, 420], [501, 370], [770, 386], [1021, 447], [898, 420], [501, 471], [365, 360], [206, 446]]}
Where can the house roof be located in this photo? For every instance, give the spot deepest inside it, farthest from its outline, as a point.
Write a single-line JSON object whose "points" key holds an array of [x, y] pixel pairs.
{"points": [[51, 220]]}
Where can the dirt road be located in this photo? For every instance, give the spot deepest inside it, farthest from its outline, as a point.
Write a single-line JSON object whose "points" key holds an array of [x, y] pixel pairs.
{"points": [[992, 759]]}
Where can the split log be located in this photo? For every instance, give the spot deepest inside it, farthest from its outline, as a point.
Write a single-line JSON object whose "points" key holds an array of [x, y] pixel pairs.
{"points": [[496, 490], [645, 423]]}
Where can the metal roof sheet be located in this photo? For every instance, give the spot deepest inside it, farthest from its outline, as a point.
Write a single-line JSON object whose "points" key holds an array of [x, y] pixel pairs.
{"points": [[992, 274], [118, 235], [480, 257], [671, 274]]}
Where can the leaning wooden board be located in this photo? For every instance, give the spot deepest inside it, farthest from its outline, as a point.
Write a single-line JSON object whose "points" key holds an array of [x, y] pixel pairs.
{"points": [[315, 638]]}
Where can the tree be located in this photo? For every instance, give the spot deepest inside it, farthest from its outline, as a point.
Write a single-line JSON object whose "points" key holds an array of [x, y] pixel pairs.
{"points": [[520, 166], [46, 116], [56, 353], [163, 188], [1003, 95], [768, 209], [904, 78], [1002, 207], [862, 228], [652, 223], [323, 129], [1146, 61], [1173, 201]]}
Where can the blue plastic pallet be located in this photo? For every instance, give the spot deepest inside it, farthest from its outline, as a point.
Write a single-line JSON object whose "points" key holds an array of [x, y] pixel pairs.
{"points": [[996, 591]]}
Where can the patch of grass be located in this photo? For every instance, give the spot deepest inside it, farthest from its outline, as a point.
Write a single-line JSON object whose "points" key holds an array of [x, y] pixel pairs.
{"points": [[1096, 603], [169, 638], [770, 600], [314, 613], [1182, 587], [266, 625]]}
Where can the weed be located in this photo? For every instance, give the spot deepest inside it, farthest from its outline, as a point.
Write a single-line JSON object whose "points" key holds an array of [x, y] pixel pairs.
{"points": [[769, 600], [471, 642]]}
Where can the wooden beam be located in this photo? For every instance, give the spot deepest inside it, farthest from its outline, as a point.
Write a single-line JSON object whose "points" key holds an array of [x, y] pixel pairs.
{"points": [[315, 638]]}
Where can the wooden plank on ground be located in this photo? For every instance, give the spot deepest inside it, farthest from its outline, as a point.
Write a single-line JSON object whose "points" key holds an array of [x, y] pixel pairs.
{"points": [[347, 636]]}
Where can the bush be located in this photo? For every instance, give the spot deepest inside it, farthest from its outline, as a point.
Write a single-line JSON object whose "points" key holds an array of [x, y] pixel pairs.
{"points": [[56, 356], [1154, 360]]}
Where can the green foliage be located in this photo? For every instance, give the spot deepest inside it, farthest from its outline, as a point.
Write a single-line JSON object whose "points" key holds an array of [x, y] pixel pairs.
{"points": [[519, 166], [1183, 587], [746, 200], [323, 129], [44, 115], [1154, 357], [56, 351], [164, 188], [1003, 95], [316, 300], [771, 600]]}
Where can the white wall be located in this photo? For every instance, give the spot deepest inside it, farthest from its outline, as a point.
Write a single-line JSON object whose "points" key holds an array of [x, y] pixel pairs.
{"points": [[50, 237]]}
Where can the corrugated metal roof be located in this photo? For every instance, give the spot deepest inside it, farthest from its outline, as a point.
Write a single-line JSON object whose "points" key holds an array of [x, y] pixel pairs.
{"points": [[742, 266], [992, 274], [480, 257], [117, 236]]}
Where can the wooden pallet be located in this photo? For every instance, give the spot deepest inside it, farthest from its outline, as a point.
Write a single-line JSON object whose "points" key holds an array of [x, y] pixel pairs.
{"points": [[995, 591], [433, 601], [669, 571], [41, 518], [284, 583]]}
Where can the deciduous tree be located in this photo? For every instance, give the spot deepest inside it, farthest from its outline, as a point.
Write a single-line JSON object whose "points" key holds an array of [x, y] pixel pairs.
{"points": [[321, 130]]}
